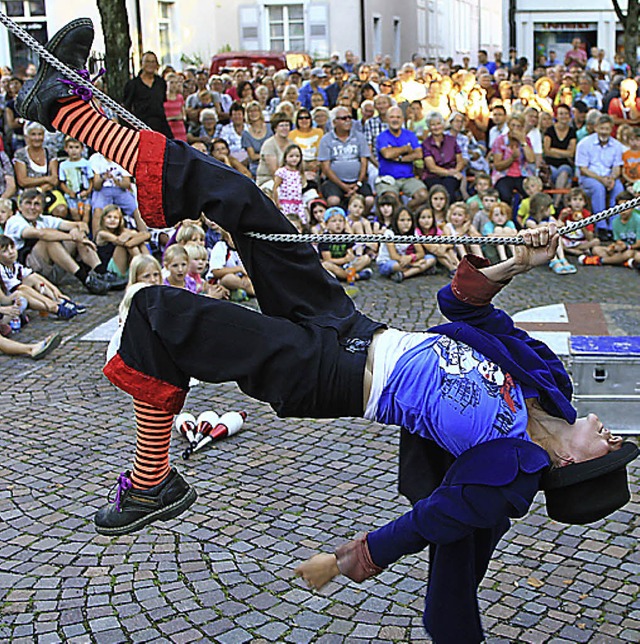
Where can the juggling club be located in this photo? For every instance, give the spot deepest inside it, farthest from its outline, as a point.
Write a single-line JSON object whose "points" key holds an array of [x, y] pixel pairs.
{"points": [[186, 425], [228, 425]]}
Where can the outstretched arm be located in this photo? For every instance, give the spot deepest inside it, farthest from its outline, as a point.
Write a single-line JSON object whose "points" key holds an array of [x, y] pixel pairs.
{"points": [[539, 249]]}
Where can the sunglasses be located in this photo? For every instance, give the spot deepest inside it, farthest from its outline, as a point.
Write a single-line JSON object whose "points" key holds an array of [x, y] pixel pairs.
{"points": [[306, 117], [343, 118]]}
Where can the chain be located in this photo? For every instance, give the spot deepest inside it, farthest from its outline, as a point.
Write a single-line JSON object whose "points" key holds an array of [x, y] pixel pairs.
{"points": [[46, 55], [516, 240]]}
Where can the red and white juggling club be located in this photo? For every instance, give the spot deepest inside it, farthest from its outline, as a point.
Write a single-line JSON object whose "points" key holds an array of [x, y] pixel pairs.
{"points": [[186, 425], [228, 425], [207, 421]]}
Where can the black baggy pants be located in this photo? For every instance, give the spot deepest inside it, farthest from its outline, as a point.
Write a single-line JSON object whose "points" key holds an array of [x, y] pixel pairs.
{"points": [[304, 354]]}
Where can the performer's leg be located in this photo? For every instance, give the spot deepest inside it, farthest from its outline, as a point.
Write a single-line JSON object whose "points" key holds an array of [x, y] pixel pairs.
{"points": [[176, 182]]}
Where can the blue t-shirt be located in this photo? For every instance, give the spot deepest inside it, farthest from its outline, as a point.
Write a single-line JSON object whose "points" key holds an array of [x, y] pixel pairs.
{"points": [[448, 392], [396, 169]]}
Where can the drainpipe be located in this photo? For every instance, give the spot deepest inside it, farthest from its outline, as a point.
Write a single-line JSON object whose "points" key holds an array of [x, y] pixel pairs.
{"points": [[363, 31]]}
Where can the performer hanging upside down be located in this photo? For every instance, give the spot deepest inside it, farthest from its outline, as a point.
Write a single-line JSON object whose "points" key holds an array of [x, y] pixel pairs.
{"points": [[479, 388]]}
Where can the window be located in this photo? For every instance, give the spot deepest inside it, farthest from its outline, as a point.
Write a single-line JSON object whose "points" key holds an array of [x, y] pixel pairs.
{"points": [[286, 27], [31, 16], [377, 35], [165, 14]]}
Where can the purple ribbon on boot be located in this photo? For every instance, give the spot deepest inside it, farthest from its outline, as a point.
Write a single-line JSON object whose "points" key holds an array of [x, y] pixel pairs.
{"points": [[124, 485], [80, 91]]}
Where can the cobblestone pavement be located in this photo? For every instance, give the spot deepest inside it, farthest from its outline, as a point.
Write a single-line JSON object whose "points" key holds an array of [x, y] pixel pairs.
{"points": [[268, 498]]}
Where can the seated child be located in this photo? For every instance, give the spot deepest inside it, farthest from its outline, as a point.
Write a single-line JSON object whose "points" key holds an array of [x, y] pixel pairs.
{"points": [[532, 186], [39, 293], [482, 184], [117, 245], [317, 208], [198, 264], [358, 224], [489, 200], [540, 213], [582, 240], [401, 261], [444, 253], [631, 159], [338, 257], [386, 205], [500, 224], [176, 262], [625, 248], [438, 201], [226, 269], [459, 223], [76, 180]]}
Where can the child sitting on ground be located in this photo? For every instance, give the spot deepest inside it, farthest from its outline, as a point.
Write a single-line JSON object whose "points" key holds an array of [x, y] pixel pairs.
{"points": [[176, 263], [444, 253], [500, 224], [117, 245], [226, 269], [532, 186], [582, 240], [631, 159], [338, 257], [540, 213], [625, 248], [386, 205], [198, 264], [400, 261], [40, 294], [317, 208], [482, 184], [438, 201], [76, 180], [490, 199], [459, 223], [358, 224]]}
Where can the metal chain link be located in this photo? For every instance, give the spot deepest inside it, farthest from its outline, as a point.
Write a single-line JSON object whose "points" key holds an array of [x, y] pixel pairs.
{"points": [[516, 240], [46, 55]]}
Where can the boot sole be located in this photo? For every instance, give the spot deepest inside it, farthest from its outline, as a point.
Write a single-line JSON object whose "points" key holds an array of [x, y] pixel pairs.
{"points": [[44, 67], [163, 514]]}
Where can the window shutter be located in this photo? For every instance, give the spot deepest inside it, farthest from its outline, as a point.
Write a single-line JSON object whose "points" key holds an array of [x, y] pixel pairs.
{"points": [[318, 29], [249, 28]]}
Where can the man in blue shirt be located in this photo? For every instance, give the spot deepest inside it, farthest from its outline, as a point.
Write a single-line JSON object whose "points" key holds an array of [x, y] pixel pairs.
{"points": [[397, 148], [312, 87], [599, 160]]}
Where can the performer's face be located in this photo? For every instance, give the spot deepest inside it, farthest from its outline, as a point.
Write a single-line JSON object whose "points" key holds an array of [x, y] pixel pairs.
{"points": [[590, 439]]}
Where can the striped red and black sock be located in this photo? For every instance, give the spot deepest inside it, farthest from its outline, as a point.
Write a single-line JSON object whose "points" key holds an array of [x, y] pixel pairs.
{"points": [[153, 435], [84, 122]]}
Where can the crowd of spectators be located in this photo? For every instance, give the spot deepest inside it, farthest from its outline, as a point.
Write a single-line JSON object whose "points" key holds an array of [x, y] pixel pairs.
{"points": [[427, 131], [440, 148]]}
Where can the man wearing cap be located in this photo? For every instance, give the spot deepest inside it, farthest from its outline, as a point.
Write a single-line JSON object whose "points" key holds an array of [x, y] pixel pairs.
{"points": [[313, 86]]}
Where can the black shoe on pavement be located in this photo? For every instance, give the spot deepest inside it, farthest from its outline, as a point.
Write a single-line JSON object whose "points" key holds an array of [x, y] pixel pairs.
{"points": [[72, 46], [96, 284], [114, 281], [134, 509]]}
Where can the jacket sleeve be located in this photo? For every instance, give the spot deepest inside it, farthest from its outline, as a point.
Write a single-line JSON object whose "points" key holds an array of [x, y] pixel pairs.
{"points": [[468, 298], [451, 513]]}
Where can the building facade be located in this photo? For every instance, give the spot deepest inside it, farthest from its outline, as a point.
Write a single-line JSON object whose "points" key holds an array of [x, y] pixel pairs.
{"points": [[182, 31], [541, 26]]}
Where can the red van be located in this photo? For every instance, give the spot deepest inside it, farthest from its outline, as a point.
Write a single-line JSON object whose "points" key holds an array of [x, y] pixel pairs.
{"points": [[245, 59]]}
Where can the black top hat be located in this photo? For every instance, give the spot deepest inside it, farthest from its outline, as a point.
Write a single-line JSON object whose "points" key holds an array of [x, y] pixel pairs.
{"points": [[586, 492]]}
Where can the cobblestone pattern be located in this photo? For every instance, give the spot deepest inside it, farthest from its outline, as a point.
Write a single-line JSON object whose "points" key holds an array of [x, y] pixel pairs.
{"points": [[268, 498]]}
